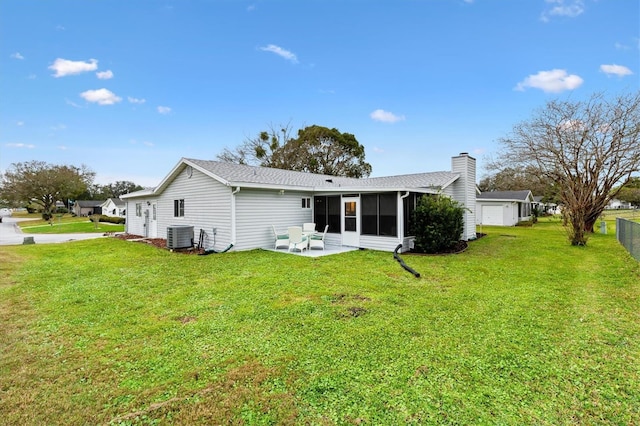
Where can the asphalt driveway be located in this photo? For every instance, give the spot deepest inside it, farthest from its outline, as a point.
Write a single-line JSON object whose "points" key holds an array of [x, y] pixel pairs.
{"points": [[11, 234]]}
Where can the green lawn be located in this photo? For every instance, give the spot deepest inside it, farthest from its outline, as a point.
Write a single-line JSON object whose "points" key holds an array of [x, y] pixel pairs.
{"points": [[521, 328], [67, 224]]}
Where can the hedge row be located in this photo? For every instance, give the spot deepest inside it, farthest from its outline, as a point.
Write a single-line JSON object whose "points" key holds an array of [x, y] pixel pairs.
{"points": [[109, 219]]}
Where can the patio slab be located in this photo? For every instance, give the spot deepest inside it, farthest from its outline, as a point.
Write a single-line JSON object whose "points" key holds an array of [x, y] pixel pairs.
{"points": [[328, 250]]}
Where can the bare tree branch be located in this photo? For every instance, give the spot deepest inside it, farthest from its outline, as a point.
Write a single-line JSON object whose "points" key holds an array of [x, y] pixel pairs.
{"points": [[586, 148]]}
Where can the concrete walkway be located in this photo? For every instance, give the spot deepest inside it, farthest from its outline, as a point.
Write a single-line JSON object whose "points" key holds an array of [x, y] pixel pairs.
{"points": [[11, 234]]}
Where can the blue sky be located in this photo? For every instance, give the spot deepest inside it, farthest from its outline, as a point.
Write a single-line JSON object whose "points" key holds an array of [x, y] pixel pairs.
{"points": [[129, 87]]}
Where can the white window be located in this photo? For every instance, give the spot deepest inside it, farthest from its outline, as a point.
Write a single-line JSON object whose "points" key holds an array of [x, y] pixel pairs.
{"points": [[139, 209], [306, 203], [178, 208]]}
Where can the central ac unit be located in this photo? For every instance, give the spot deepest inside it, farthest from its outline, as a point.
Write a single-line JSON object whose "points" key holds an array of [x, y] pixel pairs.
{"points": [[179, 236]]}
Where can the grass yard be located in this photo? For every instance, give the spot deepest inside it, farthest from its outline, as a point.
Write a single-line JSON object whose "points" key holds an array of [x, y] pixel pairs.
{"points": [[521, 328], [67, 225]]}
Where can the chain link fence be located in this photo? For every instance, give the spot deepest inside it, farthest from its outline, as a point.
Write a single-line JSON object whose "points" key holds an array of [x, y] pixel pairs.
{"points": [[628, 234]]}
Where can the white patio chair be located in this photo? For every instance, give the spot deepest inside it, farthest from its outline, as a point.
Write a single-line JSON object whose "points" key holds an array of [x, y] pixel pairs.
{"points": [[317, 240], [282, 240], [308, 228], [297, 241]]}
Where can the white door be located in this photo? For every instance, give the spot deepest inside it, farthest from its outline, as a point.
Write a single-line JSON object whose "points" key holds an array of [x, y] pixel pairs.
{"points": [[153, 223], [351, 221]]}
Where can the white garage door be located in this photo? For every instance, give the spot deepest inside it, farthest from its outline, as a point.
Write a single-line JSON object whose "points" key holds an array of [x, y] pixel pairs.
{"points": [[492, 215]]}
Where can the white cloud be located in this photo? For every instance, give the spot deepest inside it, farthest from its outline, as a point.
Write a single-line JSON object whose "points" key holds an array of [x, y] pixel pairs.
{"points": [[385, 116], [379, 150], [613, 69], [17, 55], [100, 97], [133, 100], [135, 142], [164, 110], [62, 148], [571, 126], [105, 75], [289, 56], [64, 67], [20, 145], [554, 81], [567, 8], [73, 104], [20, 123], [59, 127]]}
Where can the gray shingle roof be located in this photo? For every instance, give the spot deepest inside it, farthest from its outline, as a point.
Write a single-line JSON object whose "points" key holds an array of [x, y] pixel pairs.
{"points": [[89, 203], [237, 174], [504, 195]]}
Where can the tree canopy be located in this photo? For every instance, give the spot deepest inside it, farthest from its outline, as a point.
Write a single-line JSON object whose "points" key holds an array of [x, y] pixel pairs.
{"points": [[512, 179], [110, 190], [43, 184], [630, 192], [316, 149], [585, 147]]}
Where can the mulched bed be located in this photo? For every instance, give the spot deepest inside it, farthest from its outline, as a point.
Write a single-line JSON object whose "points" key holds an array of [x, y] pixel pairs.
{"points": [[160, 243], [460, 247]]}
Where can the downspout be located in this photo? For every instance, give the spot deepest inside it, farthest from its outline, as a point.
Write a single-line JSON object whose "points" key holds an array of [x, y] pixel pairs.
{"points": [[401, 218], [233, 214]]}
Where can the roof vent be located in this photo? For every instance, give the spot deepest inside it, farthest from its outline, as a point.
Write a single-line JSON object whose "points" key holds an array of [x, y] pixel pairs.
{"points": [[329, 180]]}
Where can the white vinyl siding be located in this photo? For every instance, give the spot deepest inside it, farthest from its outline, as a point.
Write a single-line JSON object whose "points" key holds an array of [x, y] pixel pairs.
{"points": [[257, 210], [134, 224], [463, 190], [379, 243], [207, 204]]}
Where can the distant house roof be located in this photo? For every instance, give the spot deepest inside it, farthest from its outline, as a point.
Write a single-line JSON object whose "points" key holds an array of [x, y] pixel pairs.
{"points": [[89, 203], [117, 201], [524, 195], [231, 174]]}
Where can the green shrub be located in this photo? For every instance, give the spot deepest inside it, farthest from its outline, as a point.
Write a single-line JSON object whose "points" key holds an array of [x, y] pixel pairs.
{"points": [[109, 219], [438, 222]]}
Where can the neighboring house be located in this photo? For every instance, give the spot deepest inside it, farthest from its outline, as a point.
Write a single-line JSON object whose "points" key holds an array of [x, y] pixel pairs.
{"points": [[87, 207], [614, 203], [503, 208], [544, 208], [238, 204], [114, 207]]}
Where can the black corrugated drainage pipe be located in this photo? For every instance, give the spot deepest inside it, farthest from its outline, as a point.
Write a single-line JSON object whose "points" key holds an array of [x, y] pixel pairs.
{"points": [[397, 257], [211, 251]]}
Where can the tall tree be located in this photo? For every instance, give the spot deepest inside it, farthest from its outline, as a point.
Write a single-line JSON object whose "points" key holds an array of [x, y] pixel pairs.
{"points": [[43, 184], [258, 151], [326, 151], [316, 149], [585, 147]]}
